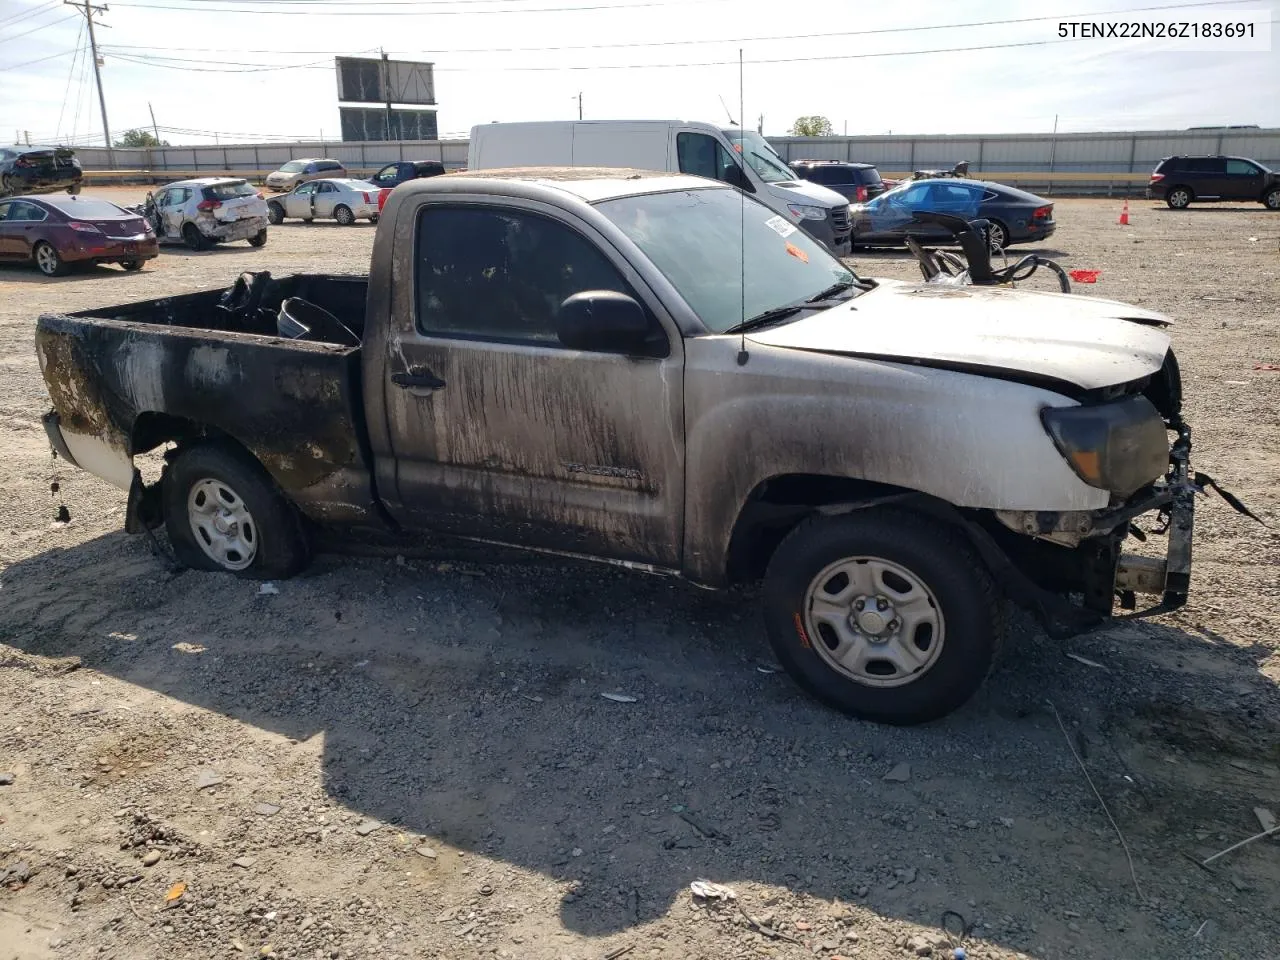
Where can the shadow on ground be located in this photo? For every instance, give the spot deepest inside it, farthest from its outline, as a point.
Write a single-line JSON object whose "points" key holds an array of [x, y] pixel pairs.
{"points": [[464, 702]]}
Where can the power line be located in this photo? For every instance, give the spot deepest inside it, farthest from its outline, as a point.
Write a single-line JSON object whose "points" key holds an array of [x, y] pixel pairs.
{"points": [[678, 43], [19, 36], [66, 93], [415, 13], [28, 14], [28, 63]]}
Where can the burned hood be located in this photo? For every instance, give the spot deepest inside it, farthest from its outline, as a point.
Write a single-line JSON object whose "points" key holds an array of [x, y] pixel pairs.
{"points": [[1083, 341]]}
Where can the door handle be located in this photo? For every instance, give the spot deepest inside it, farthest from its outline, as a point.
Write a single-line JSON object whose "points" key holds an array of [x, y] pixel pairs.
{"points": [[417, 379]]}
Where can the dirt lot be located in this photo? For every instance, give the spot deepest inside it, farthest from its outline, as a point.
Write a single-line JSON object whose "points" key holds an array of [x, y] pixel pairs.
{"points": [[412, 758]]}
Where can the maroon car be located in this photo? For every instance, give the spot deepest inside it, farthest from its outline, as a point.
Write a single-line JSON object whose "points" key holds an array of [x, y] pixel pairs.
{"points": [[54, 232]]}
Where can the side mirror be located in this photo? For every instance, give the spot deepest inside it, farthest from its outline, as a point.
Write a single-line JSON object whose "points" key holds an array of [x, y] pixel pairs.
{"points": [[603, 321]]}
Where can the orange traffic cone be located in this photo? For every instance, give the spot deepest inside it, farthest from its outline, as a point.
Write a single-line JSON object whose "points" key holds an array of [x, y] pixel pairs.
{"points": [[1124, 214]]}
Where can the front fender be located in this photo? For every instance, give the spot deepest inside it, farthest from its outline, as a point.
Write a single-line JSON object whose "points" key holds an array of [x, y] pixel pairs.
{"points": [[969, 440]]}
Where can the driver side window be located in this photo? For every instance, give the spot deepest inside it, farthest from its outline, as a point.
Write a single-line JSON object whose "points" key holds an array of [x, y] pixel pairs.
{"points": [[703, 156]]}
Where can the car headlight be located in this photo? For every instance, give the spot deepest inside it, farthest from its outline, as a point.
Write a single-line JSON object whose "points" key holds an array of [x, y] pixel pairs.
{"points": [[803, 211], [1119, 446]]}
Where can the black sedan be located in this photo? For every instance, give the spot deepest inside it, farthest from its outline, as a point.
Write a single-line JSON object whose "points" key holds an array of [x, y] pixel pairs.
{"points": [[1015, 215], [38, 170]]}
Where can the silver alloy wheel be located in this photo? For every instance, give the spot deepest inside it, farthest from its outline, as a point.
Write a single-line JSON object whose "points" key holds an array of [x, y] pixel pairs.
{"points": [[344, 216], [47, 259], [1179, 198], [874, 621], [1273, 200], [222, 524], [996, 236]]}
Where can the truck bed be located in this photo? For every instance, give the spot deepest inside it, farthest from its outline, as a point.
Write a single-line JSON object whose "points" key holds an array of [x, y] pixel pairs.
{"points": [[129, 378]]}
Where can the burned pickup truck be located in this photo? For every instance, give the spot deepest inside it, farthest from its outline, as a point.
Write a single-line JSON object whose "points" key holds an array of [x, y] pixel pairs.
{"points": [[657, 372]]}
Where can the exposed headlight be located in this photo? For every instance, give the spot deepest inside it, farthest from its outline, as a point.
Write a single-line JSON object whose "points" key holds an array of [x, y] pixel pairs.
{"points": [[806, 212], [1119, 446]]}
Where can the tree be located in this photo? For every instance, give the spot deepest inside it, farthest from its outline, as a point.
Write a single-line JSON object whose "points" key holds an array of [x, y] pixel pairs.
{"points": [[139, 138], [814, 126]]}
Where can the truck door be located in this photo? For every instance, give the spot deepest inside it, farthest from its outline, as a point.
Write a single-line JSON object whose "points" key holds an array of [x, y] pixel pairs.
{"points": [[498, 431]]}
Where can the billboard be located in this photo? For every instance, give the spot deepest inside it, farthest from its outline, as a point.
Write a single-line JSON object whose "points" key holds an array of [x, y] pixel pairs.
{"points": [[370, 80], [370, 123]]}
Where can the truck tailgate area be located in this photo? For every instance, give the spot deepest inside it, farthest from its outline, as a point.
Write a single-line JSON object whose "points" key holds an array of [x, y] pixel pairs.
{"points": [[124, 380]]}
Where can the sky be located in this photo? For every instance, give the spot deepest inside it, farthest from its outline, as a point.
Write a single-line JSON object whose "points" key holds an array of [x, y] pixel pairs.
{"points": [[249, 70]]}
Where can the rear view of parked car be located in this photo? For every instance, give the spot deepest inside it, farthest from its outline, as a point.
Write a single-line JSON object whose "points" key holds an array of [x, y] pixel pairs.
{"points": [[208, 211], [1014, 216], [1181, 181], [856, 182], [343, 200], [38, 170], [54, 233], [300, 171], [394, 174]]}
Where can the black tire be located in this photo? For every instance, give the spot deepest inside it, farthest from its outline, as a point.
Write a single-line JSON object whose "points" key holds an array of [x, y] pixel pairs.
{"points": [[275, 213], [130, 266], [47, 260], [960, 593], [1271, 199], [74, 189], [6, 186], [259, 239], [374, 218], [279, 536], [1179, 197], [342, 213], [193, 238]]}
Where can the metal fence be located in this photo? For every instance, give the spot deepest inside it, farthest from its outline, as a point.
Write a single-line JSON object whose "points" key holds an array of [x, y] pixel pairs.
{"points": [[1062, 163]]}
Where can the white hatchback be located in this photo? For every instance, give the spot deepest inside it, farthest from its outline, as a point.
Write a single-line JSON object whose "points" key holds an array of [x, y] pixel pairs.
{"points": [[204, 212]]}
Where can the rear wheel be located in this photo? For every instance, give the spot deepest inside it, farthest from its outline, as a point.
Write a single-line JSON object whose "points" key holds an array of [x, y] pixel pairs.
{"points": [[1179, 198], [1271, 200], [882, 614], [131, 265], [344, 215], [997, 235], [259, 239], [275, 213], [7, 187], [193, 238], [48, 260], [74, 189], [223, 512]]}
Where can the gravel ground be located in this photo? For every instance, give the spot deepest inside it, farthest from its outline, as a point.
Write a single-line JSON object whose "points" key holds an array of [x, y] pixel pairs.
{"points": [[411, 757]]}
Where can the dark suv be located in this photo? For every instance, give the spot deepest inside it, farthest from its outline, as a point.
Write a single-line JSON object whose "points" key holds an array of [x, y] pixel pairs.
{"points": [[1180, 181], [38, 170], [856, 182], [397, 173]]}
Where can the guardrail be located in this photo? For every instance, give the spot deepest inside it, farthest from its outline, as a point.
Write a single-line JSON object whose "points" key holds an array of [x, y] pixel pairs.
{"points": [[1060, 183]]}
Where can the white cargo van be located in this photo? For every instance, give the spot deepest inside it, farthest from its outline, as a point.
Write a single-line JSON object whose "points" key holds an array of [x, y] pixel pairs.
{"points": [[701, 149]]}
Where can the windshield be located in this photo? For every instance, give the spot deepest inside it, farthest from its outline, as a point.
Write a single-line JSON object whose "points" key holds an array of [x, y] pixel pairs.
{"points": [[693, 237], [764, 160], [294, 166], [229, 191]]}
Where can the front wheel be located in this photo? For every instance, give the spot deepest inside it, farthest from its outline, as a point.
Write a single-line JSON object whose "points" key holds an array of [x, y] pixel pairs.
{"points": [[275, 213], [130, 266], [1272, 199], [259, 239], [6, 186], [882, 614], [344, 215], [74, 189], [223, 512]]}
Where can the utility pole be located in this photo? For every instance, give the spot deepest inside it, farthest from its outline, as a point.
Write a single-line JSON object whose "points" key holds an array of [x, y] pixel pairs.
{"points": [[386, 88], [579, 104], [154, 129], [88, 10], [760, 125]]}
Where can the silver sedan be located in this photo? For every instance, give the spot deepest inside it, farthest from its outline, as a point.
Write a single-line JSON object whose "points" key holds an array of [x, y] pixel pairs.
{"points": [[343, 200]]}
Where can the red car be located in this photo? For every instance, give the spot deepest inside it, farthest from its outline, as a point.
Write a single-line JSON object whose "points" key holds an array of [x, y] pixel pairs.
{"points": [[54, 232]]}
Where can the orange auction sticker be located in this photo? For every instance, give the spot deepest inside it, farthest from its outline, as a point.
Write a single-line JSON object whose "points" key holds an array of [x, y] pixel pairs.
{"points": [[797, 253]]}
